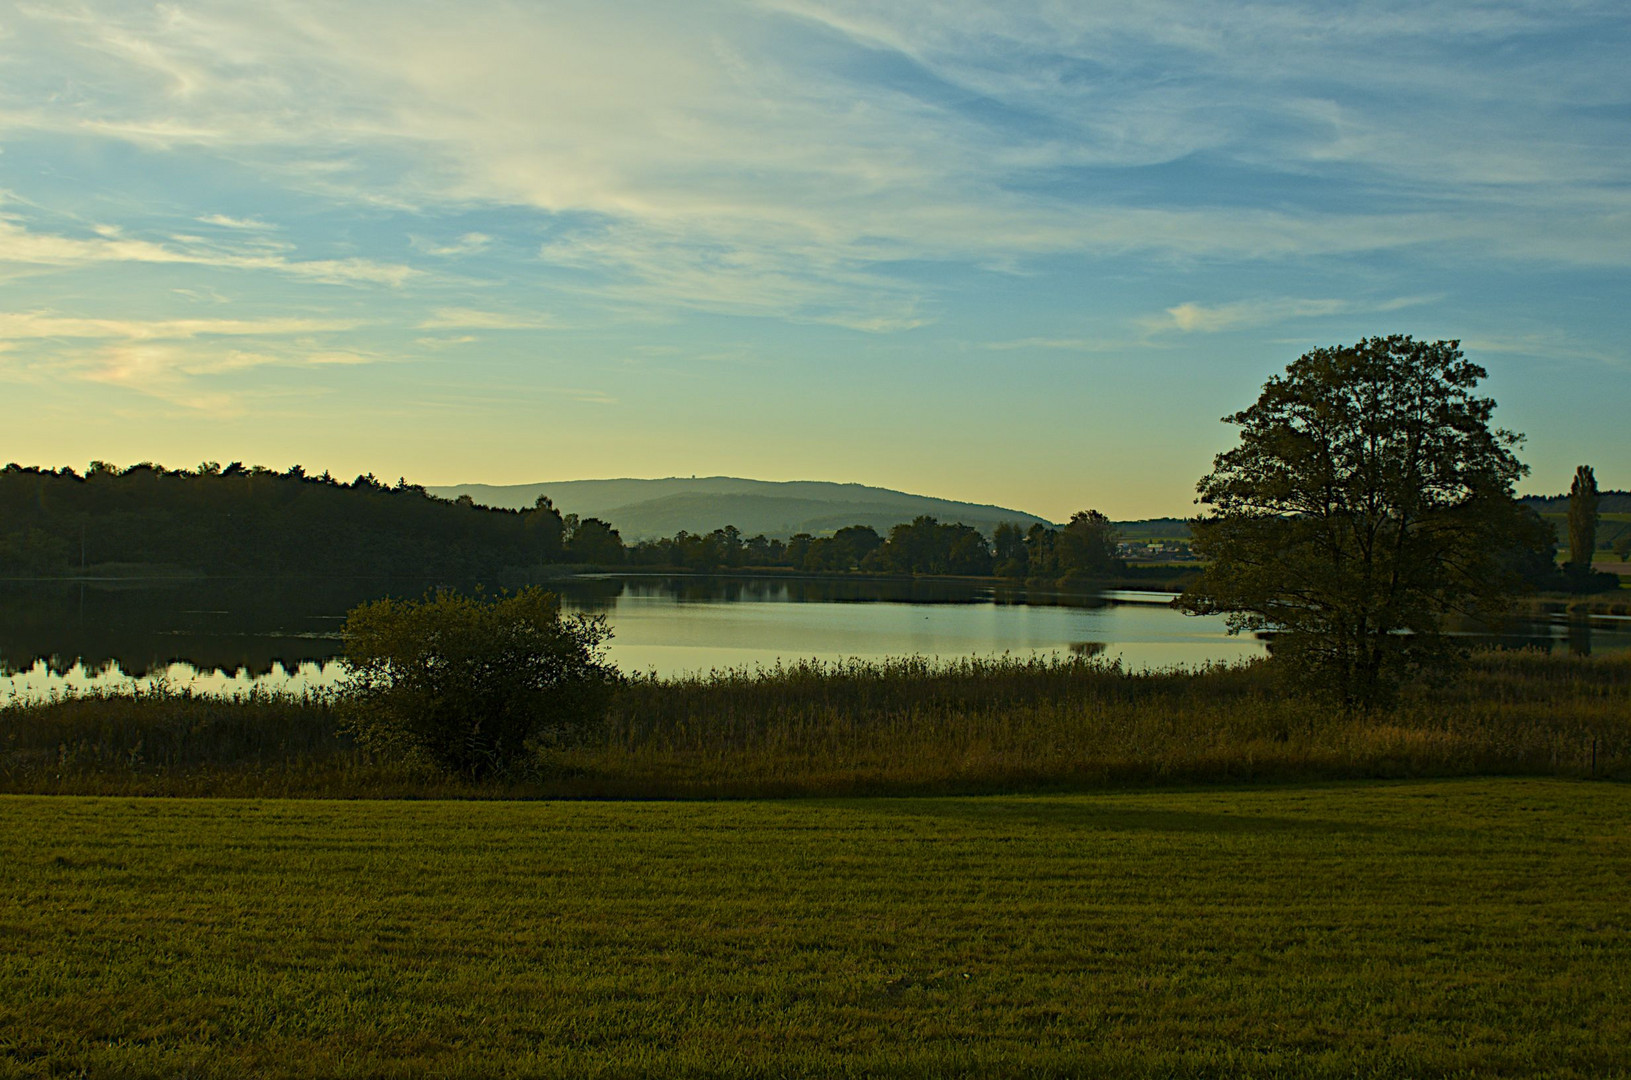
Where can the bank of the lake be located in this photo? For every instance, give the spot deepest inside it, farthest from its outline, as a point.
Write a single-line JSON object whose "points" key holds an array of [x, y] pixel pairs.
{"points": [[908, 726]]}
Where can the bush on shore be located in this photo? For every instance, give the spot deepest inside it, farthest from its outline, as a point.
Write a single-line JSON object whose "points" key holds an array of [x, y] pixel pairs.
{"points": [[472, 685]]}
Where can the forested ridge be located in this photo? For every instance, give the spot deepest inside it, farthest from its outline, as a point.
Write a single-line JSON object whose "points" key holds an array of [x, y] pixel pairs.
{"points": [[242, 520], [238, 520]]}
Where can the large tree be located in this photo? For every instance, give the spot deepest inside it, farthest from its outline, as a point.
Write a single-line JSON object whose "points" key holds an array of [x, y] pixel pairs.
{"points": [[1369, 497]]}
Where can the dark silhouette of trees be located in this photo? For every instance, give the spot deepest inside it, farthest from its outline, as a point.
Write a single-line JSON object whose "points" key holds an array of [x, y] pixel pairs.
{"points": [[1040, 557], [593, 541], [721, 549], [847, 549], [1583, 502], [798, 547], [857, 542], [925, 546], [255, 521], [1368, 498], [1086, 547], [967, 554], [1083, 551], [1009, 556]]}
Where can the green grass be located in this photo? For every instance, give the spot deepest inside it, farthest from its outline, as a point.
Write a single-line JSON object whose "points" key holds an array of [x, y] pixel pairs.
{"points": [[1405, 929], [895, 727]]}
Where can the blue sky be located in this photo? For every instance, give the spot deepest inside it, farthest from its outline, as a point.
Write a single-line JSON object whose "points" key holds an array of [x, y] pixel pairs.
{"points": [[1025, 253]]}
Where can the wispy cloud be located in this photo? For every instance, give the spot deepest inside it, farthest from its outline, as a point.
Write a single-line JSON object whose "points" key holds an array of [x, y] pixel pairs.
{"points": [[815, 146], [472, 319], [194, 375], [471, 243], [20, 245], [469, 399], [1055, 183], [1552, 345], [36, 325], [180, 361], [1082, 345], [246, 224], [794, 281], [1191, 317]]}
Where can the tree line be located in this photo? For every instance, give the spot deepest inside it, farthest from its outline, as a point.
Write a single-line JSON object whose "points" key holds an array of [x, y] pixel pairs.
{"points": [[1083, 549], [252, 520], [258, 521]]}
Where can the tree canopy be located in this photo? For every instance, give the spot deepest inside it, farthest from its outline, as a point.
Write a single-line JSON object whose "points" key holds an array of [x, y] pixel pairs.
{"points": [[1369, 497], [472, 684], [255, 521]]}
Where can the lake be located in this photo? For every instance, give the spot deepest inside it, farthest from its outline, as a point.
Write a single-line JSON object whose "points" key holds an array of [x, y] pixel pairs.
{"points": [[225, 636]]}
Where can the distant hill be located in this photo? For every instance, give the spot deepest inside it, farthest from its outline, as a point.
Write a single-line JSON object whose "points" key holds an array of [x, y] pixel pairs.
{"points": [[647, 509]]}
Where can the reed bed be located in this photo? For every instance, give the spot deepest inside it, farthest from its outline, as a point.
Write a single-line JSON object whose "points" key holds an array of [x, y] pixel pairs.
{"points": [[906, 726]]}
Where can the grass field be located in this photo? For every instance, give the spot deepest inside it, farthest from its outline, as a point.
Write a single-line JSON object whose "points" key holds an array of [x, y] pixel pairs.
{"points": [[1407, 929]]}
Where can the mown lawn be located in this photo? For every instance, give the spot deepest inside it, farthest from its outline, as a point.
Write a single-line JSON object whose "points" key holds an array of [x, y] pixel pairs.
{"points": [[1430, 928]]}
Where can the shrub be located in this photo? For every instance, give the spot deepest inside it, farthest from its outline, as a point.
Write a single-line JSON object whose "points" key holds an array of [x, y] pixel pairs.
{"points": [[471, 684]]}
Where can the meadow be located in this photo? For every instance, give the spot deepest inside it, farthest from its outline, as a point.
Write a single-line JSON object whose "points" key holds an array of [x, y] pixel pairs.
{"points": [[901, 727], [1394, 929], [1080, 871]]}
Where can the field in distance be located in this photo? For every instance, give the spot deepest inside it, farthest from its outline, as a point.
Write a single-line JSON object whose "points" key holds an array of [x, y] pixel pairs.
{"points": [[1471, 927]]}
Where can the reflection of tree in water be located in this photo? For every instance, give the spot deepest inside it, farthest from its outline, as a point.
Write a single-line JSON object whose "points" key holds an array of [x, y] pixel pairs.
{"points": [[256, 627], [230, 626], [1577, 636], [596, 595], [1580, 636], [1576, 633], [700, 588]]}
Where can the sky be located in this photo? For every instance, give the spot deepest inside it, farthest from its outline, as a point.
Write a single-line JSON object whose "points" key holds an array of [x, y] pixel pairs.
{"points": [[1024, 253]]}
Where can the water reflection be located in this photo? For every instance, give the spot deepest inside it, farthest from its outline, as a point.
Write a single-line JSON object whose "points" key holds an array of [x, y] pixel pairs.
{"points": [[604, 591], [226, 635], [1580, 637]]}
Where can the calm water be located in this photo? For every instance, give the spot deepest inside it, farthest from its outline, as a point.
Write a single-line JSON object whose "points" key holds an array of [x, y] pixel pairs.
{"points": [[226, 636]]}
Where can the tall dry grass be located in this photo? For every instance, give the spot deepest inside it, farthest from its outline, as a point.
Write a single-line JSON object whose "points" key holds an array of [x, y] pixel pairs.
{"points": [[895, 727], [982, 725]]}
